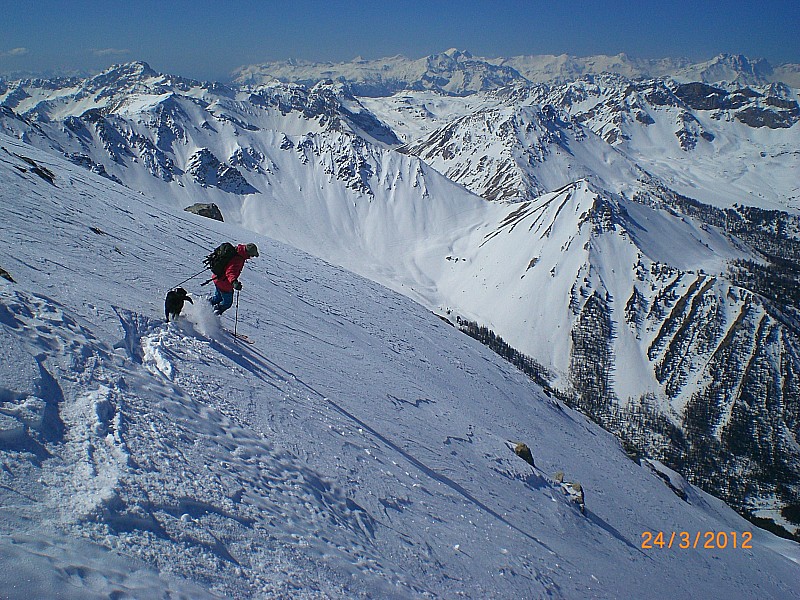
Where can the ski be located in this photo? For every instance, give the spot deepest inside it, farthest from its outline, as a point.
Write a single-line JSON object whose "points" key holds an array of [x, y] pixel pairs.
{"points": [[241, 336]]}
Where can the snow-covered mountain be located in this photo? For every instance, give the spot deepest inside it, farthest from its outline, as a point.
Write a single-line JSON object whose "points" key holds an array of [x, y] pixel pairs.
{"points": [[734, 68], [641, 264], [721, 145], [459, 72], [359, 448], [517, 152], [700, 140]]}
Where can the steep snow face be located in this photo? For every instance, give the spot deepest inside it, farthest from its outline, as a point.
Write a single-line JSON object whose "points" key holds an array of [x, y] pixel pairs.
{"points": [[577, 242], [359, 448]]}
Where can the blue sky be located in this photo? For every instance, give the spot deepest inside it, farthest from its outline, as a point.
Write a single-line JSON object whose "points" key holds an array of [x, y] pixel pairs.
{"points": [[208, 39]]}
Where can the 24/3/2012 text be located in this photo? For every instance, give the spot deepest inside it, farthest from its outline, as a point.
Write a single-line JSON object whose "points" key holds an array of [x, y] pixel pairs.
{"points": [[706, 540]]}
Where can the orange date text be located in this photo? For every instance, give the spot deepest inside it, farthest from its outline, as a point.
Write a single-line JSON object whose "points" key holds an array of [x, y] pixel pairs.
{"points": [[704, 540]]}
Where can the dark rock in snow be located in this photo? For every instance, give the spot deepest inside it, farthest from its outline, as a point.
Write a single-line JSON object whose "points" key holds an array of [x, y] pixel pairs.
{"points": [[524, 453], [210, 211]]}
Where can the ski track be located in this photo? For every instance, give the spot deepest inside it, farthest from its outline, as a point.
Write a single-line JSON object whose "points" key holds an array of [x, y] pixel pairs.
{"points": [[123, 493]]}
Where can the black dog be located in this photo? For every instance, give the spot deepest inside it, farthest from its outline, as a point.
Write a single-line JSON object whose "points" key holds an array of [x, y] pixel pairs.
{"points": [[173, 304]]}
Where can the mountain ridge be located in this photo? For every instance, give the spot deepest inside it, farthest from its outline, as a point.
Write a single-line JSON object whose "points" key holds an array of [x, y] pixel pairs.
{"points": [[446, 72]]}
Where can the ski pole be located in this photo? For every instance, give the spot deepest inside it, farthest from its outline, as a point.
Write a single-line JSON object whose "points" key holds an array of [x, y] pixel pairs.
{"points": [[190, 278], [236, 316]]}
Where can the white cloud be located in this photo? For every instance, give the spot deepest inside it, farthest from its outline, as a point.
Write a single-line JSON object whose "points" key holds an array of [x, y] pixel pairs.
{"points": [[14, 52], [110, 51]]}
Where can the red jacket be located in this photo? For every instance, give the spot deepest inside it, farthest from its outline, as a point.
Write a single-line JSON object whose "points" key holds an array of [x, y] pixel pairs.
{"points": [[232, 271]]}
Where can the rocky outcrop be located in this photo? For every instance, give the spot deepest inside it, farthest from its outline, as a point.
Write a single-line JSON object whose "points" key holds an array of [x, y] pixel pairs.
{"points": [[752, 108], [208, 171], [210, 211]]}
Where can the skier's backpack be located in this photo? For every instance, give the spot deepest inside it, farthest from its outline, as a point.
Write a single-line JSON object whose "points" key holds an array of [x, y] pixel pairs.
{"points": [[219, 258]]}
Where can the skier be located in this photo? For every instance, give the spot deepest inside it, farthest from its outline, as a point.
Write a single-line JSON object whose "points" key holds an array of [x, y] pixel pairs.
{"points": [[226, 283]]}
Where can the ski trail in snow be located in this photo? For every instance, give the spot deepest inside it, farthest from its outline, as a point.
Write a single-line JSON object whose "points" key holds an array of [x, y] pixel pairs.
{"points": [[115, 443], [90, 420], [165, 342], [253, 464]]}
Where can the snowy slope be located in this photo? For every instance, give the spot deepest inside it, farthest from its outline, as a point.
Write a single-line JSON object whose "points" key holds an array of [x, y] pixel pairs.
{"points": [[358, 449], [412, 114]]}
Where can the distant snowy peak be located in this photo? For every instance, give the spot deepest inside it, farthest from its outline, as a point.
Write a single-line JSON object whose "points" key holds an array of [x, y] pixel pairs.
{"points": [[459, 72], [452, 72], [560, 68], [124, 75], [729, 68], [732, 68]]}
